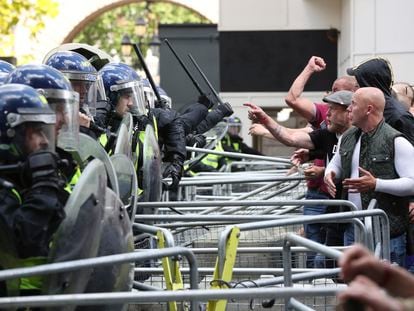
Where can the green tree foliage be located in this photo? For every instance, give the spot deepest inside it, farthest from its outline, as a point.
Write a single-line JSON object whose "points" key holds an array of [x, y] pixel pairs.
{"points": [[106, 31], [27, 13]]}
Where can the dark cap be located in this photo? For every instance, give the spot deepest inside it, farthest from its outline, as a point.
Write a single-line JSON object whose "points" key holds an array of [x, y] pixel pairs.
{"points": [[343, 98], [369, 64]]}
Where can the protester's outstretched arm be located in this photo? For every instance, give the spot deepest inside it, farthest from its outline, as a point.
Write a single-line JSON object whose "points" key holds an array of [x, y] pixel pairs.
{"points": [[300, 156], [358, 260], [302, 105], [289, 137], [259, 130]]}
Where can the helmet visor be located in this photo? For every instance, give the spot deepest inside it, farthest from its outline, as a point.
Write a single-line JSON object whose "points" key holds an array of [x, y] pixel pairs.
{"points": [[87, 87], [34, 129], [100, 89], [66, 108], [34, 136], [149, 97], [131, 98], [234, 125], [234, 129]]}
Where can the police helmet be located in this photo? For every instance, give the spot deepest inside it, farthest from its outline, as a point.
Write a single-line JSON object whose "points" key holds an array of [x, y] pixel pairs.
{"points": [[121, 80], [234, 121], [27, 123], [58, 91], [82, 75], [234, 124], [6, 67]]}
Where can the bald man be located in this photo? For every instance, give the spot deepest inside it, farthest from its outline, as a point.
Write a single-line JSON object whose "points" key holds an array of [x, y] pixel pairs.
{"points": [[374, 161]]}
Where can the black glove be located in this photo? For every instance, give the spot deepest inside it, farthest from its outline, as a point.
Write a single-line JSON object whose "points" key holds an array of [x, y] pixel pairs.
{"points": [[41, 170], [174, 170], [161, 104], [197, 140], [204, 100], [226, 109], [141, 122]]}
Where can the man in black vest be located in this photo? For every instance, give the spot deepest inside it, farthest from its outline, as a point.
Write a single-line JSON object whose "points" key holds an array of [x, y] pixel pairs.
{"points": [[374, 162]]}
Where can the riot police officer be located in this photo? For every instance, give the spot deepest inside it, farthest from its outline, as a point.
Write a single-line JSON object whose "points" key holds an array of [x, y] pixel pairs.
{"points": [[33, 198], [53, 85], [84, 80], [124, 93], [171, 134], [232, 141]]}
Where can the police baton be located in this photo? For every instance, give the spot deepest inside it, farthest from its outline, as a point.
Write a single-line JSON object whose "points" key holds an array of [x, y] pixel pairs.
{"points": [[97, 128], [185, 68], [205, 79], [147, 72]]}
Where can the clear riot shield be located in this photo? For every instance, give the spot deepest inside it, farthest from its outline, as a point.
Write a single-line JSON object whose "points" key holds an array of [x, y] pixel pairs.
{"points": [[152, 175], [116, 238], [91, 149], [123, 141], [127, 181], [124, 136], [129, 123], [78, 236], [213, 136]]}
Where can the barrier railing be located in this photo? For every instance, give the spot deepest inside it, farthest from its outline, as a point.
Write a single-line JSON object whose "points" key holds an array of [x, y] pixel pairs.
{"points": [[45, 300]]}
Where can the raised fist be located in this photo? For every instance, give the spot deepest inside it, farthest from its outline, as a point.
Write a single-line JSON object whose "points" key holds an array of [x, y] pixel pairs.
{"points": [[316, 64]]}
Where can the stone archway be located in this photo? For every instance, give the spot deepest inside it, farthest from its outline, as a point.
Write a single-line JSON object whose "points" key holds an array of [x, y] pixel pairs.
{"points": [[75, 14]]}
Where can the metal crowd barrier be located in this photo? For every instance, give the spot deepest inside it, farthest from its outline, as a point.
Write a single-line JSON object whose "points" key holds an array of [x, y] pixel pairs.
{"points": [[80, 299], [228, 247], [193, 295]]}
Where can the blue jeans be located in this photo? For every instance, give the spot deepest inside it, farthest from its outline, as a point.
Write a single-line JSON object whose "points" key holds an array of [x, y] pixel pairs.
{"points": [[397, 245], [349, 235], [337, 235], [314, 232], [398, 249], [409, 263]]}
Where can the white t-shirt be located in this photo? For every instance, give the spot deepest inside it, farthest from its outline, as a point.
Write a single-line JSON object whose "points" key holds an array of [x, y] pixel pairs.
{"points": [[402, 186]]}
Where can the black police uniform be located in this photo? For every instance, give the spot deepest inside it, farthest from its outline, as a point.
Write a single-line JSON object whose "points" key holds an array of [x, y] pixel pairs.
{"points": [[33, 208]]}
